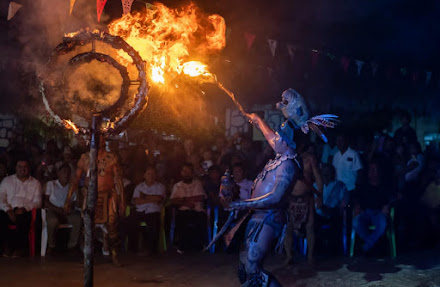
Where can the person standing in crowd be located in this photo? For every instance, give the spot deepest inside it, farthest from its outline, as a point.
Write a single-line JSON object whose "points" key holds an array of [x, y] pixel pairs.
{"points": [[19, 194], [189, 198], [54, 199], [372, 206], [244, 184], [405, 134], [302, 203], [347, 163], [148, 198]]}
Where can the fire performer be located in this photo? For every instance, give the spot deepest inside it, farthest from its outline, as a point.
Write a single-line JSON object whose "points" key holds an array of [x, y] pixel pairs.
{"points": [[110, 197], [268, 203]]}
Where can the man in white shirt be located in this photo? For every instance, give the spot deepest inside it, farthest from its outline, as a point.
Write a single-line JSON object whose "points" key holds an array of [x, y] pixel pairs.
{"points": [[19, 194], [243, 183], [347, 163], [189, 198], [148, 198], [54, 199]]}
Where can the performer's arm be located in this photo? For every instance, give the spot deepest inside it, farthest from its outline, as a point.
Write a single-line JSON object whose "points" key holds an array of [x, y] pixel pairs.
{"points": [[267, 131], [74, 185], [285, 174]]}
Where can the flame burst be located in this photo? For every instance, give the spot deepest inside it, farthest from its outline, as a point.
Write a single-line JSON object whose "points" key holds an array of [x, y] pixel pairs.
{"points": [[165, 38], [68, 124]]}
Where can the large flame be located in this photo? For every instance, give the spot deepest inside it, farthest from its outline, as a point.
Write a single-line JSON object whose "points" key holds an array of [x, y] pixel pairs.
{"points": [[166, 38]]}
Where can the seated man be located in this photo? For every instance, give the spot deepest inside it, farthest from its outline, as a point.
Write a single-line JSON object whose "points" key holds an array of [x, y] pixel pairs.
{"points": [[54, 200], [148, 198], [189, 198], [371, 207], [335, 199], [19, 194]]}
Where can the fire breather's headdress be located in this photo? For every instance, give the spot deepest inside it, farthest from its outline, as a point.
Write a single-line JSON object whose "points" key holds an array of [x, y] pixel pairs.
{"points": [[294, 108]]}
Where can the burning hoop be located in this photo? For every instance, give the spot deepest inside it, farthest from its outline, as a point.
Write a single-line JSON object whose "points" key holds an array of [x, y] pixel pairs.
{"points": [[85, 37]]}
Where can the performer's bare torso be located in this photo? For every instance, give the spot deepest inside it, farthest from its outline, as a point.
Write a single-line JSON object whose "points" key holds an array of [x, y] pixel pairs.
{"points": [[304, 186], [107, 169]]}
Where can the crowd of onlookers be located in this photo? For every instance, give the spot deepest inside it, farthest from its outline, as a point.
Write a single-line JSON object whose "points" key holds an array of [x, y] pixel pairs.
{"points": [[172, 190]]}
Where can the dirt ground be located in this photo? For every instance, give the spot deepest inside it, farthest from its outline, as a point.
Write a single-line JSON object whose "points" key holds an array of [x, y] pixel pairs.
{"points": [[204, 269]]}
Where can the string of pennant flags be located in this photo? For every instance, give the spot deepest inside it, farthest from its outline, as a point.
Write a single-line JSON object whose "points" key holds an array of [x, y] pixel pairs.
{"points": [[345, 62], [274, 47]]}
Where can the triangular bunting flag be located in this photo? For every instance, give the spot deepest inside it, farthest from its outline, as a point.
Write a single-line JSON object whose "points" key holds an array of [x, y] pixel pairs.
{"points": [[149, 6], [359, 65], [345, 62], [272, 46], [428, 77], [374, 67], [72, 2], [291, 50], [403, 71], [315, 57], [331, 56], [12, 10], [249, 39], [100, 4], [126, 6]]}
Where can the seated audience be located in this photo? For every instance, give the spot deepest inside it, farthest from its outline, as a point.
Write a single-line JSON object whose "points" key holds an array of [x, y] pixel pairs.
{"points": [[189, 198], [19, 194], [372, 206], [148, 198], [54, 198]]}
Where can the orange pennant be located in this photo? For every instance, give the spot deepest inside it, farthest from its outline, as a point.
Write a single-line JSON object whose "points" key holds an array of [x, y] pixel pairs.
{"points": [[126, 6], [12, 10], [72, 2], [100, 4]]}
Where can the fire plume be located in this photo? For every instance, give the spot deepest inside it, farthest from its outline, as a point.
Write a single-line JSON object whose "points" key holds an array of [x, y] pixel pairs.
{"points": [[165, 38], [68, 124]]}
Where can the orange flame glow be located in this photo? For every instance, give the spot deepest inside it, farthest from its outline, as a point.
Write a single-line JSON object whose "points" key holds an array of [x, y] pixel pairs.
{"points": [[68, 124], [166, 37]]}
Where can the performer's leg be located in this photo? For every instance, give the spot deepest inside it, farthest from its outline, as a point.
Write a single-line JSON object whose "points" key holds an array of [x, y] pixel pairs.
{"points": [[255, 254], [310, 232], [112, 229], [288, 242]]}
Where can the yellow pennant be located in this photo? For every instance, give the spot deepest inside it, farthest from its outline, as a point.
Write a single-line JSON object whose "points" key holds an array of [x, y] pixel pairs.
{"points": [[72, 2]]}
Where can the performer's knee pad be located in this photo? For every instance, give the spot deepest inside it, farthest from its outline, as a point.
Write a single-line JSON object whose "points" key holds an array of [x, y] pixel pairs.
{"points": [[241, 272], [257, 279]]}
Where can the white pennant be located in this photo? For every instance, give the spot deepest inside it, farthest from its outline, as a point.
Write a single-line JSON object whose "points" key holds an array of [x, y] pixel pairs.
{"points": [[359, 65], [272, 46], [12, 10], [291, 49], [428, 77], [374, 67]]}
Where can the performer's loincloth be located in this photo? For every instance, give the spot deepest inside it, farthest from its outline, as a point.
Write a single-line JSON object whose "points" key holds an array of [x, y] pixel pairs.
{"points": [[105, 206], [275, 218], [299, 210]]}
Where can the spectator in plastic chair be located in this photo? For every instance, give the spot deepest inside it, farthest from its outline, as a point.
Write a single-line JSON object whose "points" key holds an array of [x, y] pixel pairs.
{"points": [[54, 199], [431, 202], [189, 197], [148, 198], [19, 194], [330, 214], [372, 206]]}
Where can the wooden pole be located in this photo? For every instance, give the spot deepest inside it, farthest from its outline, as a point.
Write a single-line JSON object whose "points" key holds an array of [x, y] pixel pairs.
{"points": [[91, 201]]}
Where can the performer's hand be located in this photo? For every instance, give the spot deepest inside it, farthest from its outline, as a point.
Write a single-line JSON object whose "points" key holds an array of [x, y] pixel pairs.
{"points": [[237, 205], [254, 119]]}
